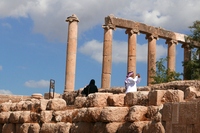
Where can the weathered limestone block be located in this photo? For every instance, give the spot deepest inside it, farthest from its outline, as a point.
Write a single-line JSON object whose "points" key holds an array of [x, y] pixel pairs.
{"points": [[167, 112], [191, 93], [65, 116], [46, 116], [35, 117], [13, 107], [25, 117], [5, 107], [59, 127], [188, 113], [135, 127], [196, 128], [97, 99], [112, 127], [168, 127], [19, 106], [43, 104], [34, 128], [49, 128], [14, 117], [9, 128], [114, 114], [136, 98], [88, 114], [114, 90], [56, 104], [35, 105], [22, 128], [144, 88], [59, 116], [116, 100], [170, 113], [12, 98], [81, 115], [94, 114], [156, 97], [153, 111], [99, 127], [4, 117], [27, 105], [64, 127], [180, 128], [69, 97], [154, 127], [82, 127], [80, 102], [137, 113], [56, 95], [173, 96], [70, 114]]}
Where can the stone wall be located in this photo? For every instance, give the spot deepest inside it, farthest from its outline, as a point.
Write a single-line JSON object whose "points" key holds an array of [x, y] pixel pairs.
{"points": [[152, 109]]}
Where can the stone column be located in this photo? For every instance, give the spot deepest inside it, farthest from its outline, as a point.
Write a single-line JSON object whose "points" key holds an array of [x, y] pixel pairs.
{"points": [[187, 57], [71, 53], [107, 56], [132, 42], [151, 57], [171, 54]]}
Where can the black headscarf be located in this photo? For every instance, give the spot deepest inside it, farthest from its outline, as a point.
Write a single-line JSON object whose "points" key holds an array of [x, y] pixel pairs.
{"points": [[91, 88]]}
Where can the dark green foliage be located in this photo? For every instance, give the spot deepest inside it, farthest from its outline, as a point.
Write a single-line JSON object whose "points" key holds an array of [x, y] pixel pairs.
{"points": [[162, 74], [195, 30], [192, 67]]}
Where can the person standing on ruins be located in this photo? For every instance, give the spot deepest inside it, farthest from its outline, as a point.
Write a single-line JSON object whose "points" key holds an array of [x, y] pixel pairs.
{"points": [[131, 82], [91, 88]]}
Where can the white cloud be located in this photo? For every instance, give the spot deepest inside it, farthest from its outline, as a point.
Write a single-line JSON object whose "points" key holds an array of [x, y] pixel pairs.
{"points": [[1, 68], [94, 49], [37, 84], [49, 16], [5, 92]]}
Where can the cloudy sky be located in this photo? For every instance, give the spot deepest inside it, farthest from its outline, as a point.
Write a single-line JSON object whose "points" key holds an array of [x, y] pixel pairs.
{"points": [[33, 36]]}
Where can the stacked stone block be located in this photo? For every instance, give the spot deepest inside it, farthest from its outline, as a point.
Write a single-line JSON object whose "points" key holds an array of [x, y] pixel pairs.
{"points": [[155, 111]]}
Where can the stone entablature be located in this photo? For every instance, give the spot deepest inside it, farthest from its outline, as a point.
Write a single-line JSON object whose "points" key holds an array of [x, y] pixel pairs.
{"points": [[161, 110]]}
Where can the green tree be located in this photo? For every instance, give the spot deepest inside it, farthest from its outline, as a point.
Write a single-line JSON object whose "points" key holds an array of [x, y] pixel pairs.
{"points": [[192, 67], [163, 74]]}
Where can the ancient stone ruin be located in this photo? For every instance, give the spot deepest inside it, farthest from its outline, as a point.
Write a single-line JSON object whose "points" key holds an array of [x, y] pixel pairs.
{"points": [[162, 108]]}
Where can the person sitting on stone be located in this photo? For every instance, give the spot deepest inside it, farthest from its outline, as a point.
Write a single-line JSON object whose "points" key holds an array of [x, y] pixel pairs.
{"points": [[131, 82], [91, 88]]}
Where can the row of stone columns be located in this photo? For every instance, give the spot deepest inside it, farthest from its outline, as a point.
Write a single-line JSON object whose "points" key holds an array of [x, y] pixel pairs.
{"points": [[131, 61], [107, 53]]}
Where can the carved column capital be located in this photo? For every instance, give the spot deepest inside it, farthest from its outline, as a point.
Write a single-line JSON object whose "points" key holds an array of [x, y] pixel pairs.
{"points": [[186, 45], [171, 41], [132, 31], [109, 26], [72, 18], [151, 36]]}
